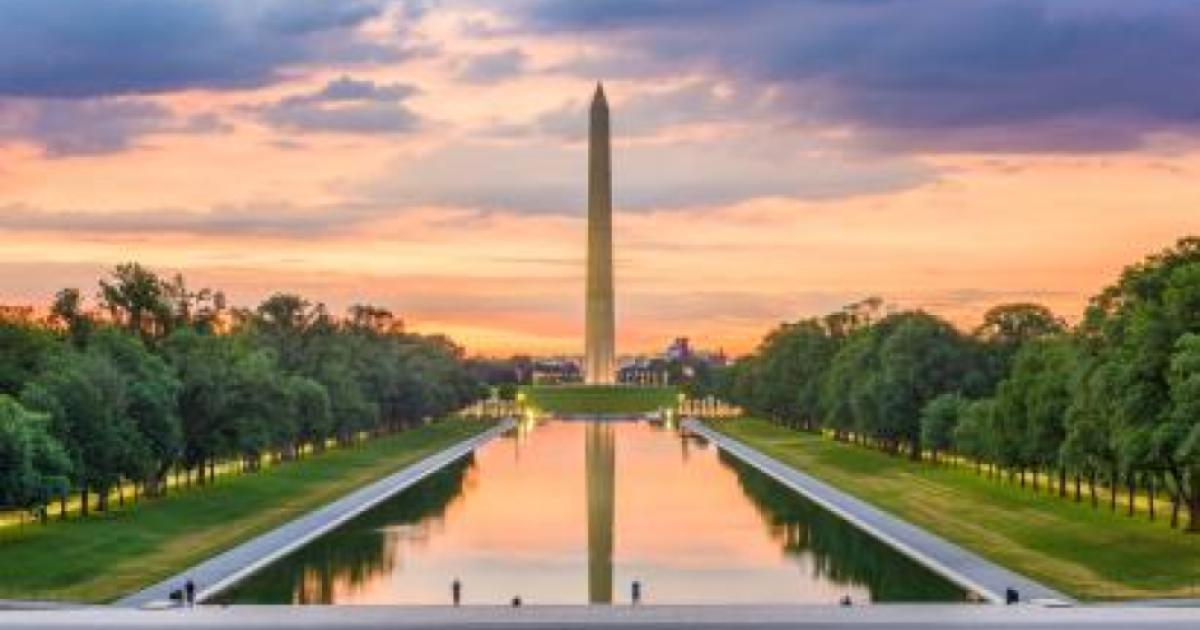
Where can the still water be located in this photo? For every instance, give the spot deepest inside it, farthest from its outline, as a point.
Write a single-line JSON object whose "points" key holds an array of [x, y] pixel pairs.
{"points": [[572, 512]]}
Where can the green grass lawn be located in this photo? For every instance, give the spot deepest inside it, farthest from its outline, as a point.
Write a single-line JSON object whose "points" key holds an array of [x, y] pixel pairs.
{"points": [[599, 398], [1091, 554], [105, 557]]}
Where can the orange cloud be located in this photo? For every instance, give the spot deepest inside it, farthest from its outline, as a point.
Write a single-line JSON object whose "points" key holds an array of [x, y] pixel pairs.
{"points": [[255, 210]]}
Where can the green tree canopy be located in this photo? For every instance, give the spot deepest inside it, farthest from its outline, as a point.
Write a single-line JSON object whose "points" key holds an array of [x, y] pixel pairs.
{"points": [[939, 420], [33, 465]]}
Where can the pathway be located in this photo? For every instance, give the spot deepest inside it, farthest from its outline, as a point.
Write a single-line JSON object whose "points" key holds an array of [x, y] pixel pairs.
{"points": [[943, 557], [222, 570], [881, 616]]}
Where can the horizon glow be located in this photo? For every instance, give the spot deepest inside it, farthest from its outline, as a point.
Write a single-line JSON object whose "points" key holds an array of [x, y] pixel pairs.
{"points": [[430, 158]]}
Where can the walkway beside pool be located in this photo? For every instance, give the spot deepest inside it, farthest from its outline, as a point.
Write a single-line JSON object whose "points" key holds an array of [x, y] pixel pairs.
{"points": [[222, 570], [963, 567], [907, 616]]}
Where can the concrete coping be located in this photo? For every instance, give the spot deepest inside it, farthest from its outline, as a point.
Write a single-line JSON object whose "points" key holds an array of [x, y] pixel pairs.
{"points": [[227, 568], [963, 567]]}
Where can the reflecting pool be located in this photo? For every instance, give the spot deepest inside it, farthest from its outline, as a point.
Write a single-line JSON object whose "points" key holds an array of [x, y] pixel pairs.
{"points": [[573, 512]]}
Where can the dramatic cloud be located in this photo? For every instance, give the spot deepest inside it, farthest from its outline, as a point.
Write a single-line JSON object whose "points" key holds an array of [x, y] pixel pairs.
{"points": [[349, 89], [347, 105], [545, 177], [493, 67], [111, 47], [772, 158], [945, 74], [90, 127], [259, 219], [648, 112]]}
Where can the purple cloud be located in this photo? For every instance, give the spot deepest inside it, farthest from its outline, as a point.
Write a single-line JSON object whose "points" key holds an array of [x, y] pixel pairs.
{"points": [[347, 105], [493, 67], [64, 127], [116, 47], [944, 74]]}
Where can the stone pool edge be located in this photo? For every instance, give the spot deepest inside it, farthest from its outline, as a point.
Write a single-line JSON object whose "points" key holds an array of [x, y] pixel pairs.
{"points": [[648, 617], [232, 565], [963, 567]]}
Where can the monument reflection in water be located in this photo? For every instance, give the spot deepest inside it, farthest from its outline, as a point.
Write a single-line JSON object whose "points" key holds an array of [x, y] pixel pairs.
{"points": [[601, 476], [572, 512]]}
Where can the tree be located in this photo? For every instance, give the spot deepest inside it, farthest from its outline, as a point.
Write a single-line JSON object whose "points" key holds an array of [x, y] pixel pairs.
{"points": [[136, 299], [311, 409], [365, 318], [1089, 446], [974, 435], [165, 383], [285, 313], [68, 311], [1009, 327], [200, 309], [743, 375], [844, 384], [84, 396], [150, 397], [1135, 328], [203, 366], [1182, 428], [259, 412], [25, 350], [1013, 325], [794, 358], [113, 407], [33, 465], [1032, 404], [920, 357], [286, 323], [939, 420], [353, 393]]}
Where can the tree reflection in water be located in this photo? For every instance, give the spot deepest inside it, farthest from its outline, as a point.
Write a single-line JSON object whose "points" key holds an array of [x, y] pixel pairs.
{"points": [[839, 552], [695, 525], [361, 550]]}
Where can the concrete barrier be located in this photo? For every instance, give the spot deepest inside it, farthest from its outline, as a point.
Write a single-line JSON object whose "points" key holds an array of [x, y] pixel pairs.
{"points": [[225, 569], [956, 564]]}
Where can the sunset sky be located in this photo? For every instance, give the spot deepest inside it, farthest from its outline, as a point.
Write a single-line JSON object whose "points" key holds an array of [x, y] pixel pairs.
{"points": [[773, 159]]}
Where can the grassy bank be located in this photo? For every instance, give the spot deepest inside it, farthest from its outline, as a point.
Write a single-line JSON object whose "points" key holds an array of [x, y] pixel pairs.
{"points": [[102, 558], [1088, 553], [599, 398]]}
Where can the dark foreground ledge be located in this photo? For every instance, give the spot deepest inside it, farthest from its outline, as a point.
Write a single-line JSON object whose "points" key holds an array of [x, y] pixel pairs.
{"points": [[976, 617]]}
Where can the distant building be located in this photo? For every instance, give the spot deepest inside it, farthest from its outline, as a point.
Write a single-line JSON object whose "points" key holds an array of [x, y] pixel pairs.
{"points": [[715, 359], [555, 371], [643, 371], [679, 350]]}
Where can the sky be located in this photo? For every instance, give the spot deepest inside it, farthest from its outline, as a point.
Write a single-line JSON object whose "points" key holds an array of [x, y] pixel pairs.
{"points": [[773, 159]]}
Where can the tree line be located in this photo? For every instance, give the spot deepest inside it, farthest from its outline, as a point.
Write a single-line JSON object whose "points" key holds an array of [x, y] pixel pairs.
{"points": [[1112, 402], [157, 377]]}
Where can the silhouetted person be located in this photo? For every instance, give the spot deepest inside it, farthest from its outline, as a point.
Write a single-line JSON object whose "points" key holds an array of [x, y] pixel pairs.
{"points": [[189, 590], [1011, 596], [456, 591], [636, 592]]}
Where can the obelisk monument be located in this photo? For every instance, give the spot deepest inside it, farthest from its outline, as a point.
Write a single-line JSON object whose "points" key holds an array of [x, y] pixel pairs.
{"points": [[600, 357]]}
